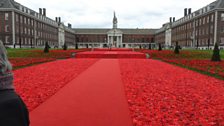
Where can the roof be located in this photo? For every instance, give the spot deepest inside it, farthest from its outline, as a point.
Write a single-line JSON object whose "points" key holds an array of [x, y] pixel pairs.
{"points": [[219, 4], [138, 31], [90, 31], [9, 4], [104, 31]]}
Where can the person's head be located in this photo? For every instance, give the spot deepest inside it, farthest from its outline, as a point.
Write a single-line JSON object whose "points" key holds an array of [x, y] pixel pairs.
{"points": [[6, 76], [5, 66]]}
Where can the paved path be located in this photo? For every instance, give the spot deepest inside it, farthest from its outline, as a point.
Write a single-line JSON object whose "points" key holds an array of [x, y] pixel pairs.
{"points": [[95, 98]]}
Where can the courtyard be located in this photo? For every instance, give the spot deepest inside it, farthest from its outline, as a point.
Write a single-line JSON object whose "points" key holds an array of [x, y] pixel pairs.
{"points": [[120, 87]]}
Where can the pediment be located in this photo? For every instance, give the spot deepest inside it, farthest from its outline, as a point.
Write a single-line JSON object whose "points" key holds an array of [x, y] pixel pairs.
{"points": [[116, 31]]}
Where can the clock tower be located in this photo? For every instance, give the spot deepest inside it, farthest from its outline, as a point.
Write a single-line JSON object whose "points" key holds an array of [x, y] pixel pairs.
{"points": [[115, 21]]}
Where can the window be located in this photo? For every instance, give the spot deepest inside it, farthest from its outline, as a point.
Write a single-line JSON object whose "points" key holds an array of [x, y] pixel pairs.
{"points": [[17, 18], [31, 22], [208, 19], [212, 18], [222, 29], [204, 20], [25, 31], [211, 30], [222, 17], [24, 20], [28, 21], [6, 28], [21, 19], [17, 40], [21, 30], [17, 29], [6, 16], [6, 39]]}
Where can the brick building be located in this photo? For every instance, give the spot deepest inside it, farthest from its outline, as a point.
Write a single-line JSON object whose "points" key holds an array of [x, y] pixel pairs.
{"points": [[115, 37], [200, 29], [21, 26]]}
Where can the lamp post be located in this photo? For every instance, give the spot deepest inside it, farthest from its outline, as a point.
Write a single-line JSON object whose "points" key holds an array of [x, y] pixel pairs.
{"points": [[114, 38]]}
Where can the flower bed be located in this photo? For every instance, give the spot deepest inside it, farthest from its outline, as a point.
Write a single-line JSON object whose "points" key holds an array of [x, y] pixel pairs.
{"points": [[198, 60], [37, 83], [57, 54], [185, 54], [162, 94], [19, 62], [20, 58], [202, 65]]}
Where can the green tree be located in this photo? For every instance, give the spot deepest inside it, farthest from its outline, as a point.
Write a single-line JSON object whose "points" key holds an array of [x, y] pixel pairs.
{"points": [[65, 47], [160, 47], [216, 56], [176, 51], [76, 46], [46, 48]]}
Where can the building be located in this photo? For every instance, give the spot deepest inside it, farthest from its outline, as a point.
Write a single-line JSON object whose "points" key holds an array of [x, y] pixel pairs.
{"points": [[21, 26], [200, 29], [115, 37]]}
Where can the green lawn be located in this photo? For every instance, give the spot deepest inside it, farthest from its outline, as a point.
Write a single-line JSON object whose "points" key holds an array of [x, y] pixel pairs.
{"points": [[20, 52], [210, 52]]}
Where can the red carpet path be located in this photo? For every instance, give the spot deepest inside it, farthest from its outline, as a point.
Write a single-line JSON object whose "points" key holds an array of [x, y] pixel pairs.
{"points": [[95, 98]]}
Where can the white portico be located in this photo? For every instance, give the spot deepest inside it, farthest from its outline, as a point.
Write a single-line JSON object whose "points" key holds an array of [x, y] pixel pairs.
{"points": [[114, 38]]}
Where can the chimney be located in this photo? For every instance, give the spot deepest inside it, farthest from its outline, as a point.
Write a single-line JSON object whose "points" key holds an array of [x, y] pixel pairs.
{"points": [[185, 12], [59, 19], [56, 19], [69, 25], [170, 19], [40, 11], [44, 11], [189, 11], [174, 19]]}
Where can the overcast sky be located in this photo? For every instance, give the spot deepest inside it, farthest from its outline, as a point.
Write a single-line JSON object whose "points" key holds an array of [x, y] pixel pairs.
{"points": [[130, 13]]}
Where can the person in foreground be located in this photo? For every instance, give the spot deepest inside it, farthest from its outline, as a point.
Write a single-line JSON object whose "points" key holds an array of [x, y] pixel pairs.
{"points": [[13, 111]]}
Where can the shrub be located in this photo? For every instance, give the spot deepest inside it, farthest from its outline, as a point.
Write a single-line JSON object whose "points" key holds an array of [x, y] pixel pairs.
{"points": [[46, 48], [65, 47], [160, 47], [176, 51], [216, 55]]}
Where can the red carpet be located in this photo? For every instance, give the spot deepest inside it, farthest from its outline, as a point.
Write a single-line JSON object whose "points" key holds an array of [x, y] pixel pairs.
{"points": [[95, 98]]}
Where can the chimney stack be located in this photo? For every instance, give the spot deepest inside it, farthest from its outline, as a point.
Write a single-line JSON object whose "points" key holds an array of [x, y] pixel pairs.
{"points": [[40, 11], [170, 19], [69, 25], [189, 11], [174, 19], [59, 19], [56, 19], [44, 11], [185, 12]]}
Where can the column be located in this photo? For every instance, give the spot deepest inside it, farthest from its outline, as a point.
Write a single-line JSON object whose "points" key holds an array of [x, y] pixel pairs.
{"points": [[108, 39], [13, 28], [216, 23]]}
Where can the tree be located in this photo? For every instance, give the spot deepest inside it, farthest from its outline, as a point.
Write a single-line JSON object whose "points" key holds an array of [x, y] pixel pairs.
{"points": [[76, 46], [216, 55], [46, 48], [176, 51], [150, 47], [65, 47], [160, 47]]}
